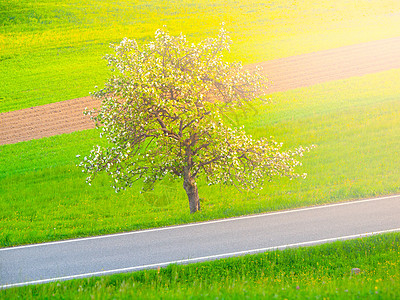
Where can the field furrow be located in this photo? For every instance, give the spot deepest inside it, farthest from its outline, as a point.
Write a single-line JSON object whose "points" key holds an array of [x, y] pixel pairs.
{"points": [[283, 74]]}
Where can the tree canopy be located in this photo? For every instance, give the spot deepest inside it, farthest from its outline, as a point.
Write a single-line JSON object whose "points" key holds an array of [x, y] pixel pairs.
{"points": [[164, 112]]}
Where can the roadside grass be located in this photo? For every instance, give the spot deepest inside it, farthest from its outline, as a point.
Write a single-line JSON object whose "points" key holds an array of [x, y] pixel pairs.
{"points": [[354, 123], [317, 272], [51, 50]]}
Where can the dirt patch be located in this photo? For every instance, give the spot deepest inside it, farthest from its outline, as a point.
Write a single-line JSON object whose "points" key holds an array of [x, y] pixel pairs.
{"points": [[333, 64], [284, 74], [46, 120]]}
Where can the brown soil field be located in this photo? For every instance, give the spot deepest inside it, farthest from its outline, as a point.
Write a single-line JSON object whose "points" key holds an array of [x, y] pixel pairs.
{"points": [[284, 74]]}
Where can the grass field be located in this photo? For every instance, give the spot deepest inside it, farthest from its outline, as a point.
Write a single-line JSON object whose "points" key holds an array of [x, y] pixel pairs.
{"points": [[51, 50], [43, 195], [319, 272]]}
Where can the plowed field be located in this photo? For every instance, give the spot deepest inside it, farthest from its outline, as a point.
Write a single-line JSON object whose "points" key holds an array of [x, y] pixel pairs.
{"points": [[284, 74]]}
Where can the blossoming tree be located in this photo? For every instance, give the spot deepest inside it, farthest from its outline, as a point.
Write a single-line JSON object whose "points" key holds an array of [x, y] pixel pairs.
{"points": [[164, 112]]}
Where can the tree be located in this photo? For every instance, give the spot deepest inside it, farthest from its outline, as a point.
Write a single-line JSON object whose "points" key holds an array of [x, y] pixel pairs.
{"points": [[164, 111]]}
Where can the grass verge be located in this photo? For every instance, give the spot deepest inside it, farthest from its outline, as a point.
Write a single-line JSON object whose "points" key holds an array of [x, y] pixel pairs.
{"points": [[354, 123], [318, 272]]}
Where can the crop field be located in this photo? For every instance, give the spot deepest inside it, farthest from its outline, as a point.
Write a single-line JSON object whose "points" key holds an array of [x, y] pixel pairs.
{"points": [[320, 272], [51, 50]]}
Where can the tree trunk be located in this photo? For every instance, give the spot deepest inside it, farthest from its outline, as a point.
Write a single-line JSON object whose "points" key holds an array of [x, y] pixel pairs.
{"points": [[189, 184]]}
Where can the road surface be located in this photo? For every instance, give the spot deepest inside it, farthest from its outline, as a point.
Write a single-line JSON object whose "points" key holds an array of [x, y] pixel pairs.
{"points": [[63, 260]]}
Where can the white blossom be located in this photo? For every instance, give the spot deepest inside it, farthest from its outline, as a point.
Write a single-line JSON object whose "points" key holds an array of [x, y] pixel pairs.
{"points": [[164, 111]]}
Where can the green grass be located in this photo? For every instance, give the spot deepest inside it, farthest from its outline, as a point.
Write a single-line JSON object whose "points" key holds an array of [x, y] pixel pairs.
{"points": [[51, 50], [319, 272], [353, 122]]}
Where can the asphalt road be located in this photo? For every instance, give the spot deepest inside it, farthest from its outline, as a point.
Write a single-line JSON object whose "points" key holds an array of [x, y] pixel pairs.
{"points": [[137, 250]]}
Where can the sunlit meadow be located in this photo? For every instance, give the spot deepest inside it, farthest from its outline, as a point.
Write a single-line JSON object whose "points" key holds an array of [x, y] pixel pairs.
{"points": [[52, 51], [43, 195]]}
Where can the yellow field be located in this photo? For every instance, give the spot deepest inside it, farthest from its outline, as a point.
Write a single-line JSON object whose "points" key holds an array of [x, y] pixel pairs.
{"points": [[261, 30]]}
